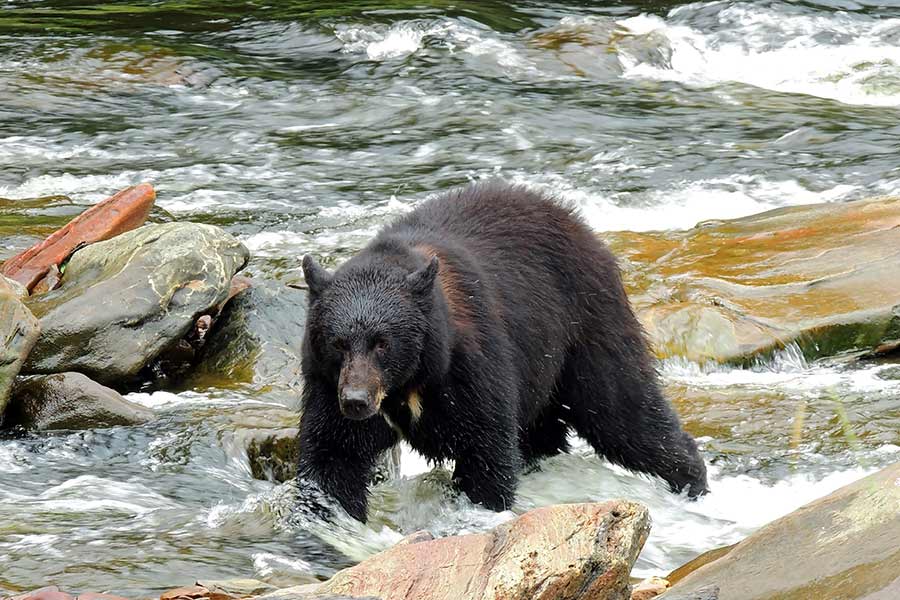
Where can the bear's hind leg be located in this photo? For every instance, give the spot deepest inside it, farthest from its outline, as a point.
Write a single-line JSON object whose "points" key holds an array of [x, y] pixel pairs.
{"points": [[615, 403]]}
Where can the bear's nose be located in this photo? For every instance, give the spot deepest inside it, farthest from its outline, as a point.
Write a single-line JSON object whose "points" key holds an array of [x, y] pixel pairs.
{"points": [[355, 404]]}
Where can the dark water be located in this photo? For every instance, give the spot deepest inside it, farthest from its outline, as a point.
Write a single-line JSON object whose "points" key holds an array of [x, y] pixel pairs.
{"points": [[302, 126]]}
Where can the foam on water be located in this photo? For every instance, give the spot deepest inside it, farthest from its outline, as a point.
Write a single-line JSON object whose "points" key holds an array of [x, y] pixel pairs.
{"points": [[681, 206], [854, 60]]}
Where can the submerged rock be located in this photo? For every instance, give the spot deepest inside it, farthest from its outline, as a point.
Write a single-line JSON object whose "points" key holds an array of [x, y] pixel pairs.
{"points": [[257, 338], [122, 212], [842, 546], [125, 300], [274, 456], [19, 332], [825, 277], [69, 401], [563, 552]]}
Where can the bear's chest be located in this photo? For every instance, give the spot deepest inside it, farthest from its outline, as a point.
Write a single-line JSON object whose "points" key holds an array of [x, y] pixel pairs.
{"points": [[418, 422]]}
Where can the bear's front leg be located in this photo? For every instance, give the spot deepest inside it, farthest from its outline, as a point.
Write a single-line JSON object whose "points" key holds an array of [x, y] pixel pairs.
{"points": [[339, 454], [488, 466]]}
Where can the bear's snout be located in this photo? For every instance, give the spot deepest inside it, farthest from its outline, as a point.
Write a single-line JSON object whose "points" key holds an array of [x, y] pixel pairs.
{"points": [[360, 391], [355, 404]]}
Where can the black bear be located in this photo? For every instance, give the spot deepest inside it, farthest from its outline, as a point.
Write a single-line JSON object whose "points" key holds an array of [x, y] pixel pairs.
{"points": [[480, 327]]}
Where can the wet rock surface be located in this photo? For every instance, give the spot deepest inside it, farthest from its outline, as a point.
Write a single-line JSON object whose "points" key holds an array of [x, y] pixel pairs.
{"points": [[274, 455], [19, 331], [125, 300], [825, 277], [122, 212], [69, 401], [563, 552], [841, 546], [257, 338]]}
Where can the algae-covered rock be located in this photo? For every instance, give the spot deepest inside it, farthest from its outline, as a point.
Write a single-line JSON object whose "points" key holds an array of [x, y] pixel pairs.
{"points": [[842, 546], [825, 277], [69, 401], [274, 455], [125, 300], [258, 337], [18, 333]]}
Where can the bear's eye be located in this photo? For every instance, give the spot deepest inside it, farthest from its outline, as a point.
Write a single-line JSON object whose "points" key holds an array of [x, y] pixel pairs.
{"points": [[380, 345]]}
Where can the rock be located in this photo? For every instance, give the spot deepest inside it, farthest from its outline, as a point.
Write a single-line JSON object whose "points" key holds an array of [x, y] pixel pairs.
{"points": [[93, 596], [69, 401], [649, 588], [45, 593], [692, 565], [185, 593], [19, 332], [12, 287], [274, 456], [825, 277], [257, 338], [122, 212], [563, 552], [842, 546], [125, 300], [237, 588]]}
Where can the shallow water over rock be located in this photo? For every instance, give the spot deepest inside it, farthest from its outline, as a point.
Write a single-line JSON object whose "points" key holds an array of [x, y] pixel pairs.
{"points": [[302, 127]]}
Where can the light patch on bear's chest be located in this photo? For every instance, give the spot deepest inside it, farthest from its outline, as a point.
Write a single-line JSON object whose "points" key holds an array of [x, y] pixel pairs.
{"points": [[414, 404]]}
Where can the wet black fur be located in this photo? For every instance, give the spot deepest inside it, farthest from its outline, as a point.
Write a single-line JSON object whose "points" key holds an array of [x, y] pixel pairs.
{"points": [[548, 343]]}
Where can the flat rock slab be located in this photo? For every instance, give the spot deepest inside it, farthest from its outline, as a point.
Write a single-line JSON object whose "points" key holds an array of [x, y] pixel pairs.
{"points": [[69, 401], [19, 331], [122, 212], [846, 545], [825, 277], [125, 300], [563, 552]]}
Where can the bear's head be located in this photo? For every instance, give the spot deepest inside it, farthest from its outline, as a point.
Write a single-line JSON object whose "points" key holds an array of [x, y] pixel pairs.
{"points": [[369, 326]]}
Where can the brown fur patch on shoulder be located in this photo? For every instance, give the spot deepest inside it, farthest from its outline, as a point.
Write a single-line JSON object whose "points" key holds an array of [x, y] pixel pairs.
{"points": [[457, 300]]}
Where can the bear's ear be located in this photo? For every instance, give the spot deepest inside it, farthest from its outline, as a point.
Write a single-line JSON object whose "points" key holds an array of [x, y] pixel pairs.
{"points": [[422, 281], [316, 277]]}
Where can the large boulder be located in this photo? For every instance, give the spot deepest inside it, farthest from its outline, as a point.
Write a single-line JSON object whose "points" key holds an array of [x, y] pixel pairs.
{"points": [[825, 277], [122, 212], [18, 331], [846, 545], [563, 552], [69, 401], [123, 301], [258, 338]]}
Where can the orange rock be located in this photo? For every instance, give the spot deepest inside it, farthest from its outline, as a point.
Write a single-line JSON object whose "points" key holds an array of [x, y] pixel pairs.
{"points": [[649, 588], [185, 593], [122, 212]]}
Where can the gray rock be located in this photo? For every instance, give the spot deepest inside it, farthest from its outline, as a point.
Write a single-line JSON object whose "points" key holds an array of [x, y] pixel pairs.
{"points": [[18, 331], [845, 545], [258, 338], [123, 301], [69, 401]]}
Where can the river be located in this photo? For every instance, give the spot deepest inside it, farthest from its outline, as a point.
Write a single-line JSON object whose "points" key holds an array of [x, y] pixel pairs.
{"points": [[303, 126]]}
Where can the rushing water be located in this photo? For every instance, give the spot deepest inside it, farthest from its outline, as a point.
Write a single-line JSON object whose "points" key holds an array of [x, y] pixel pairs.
{"points": [[302, 126]]}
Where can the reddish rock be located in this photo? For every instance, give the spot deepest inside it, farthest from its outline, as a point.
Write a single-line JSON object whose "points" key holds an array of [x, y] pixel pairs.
{"points": [[93, 596], [185, 593], [45, 593], [649, 588], [122, 212]]}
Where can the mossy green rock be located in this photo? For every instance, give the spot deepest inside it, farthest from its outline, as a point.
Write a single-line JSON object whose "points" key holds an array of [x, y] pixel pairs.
{"points": [[825, 277], [258, 337], [18, 331], [842, 546], [125, 300], [69, 401]]}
